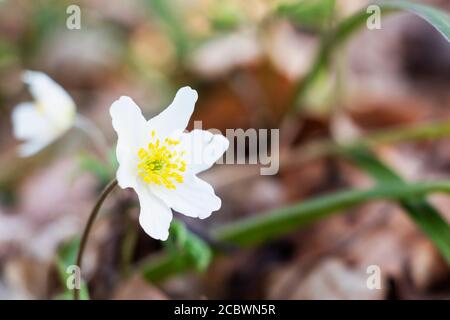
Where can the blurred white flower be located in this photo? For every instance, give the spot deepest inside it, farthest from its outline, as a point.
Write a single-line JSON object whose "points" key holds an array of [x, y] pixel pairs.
{"points": [[160, 161], [40, 122]]}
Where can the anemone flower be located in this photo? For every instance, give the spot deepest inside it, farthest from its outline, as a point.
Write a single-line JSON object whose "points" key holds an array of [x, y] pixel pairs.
{"points": [[40, 122], [160, 161]]}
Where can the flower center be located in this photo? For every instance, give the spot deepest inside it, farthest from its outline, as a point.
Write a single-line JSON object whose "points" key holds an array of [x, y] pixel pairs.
{"points": [[160, 165]]}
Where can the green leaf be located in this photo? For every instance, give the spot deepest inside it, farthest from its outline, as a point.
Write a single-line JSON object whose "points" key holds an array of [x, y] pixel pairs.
{"points": [[188, 246], [278, 222], [438, 19], [314, 14], [420, 211], [179, 233]]}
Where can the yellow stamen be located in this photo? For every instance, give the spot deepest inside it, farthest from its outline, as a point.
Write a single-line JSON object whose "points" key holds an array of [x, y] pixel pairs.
{"points": [[160, 165]]}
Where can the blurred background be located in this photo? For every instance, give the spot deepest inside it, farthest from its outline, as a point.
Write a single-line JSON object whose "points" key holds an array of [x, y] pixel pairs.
{"points": [[249, 62]]}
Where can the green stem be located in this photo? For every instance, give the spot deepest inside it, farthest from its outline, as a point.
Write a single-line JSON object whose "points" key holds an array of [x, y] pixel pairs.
{"points": [[88, 227]]}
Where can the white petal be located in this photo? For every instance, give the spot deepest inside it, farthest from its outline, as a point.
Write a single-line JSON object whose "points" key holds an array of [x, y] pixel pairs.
{"points": [[155, 215], [193, 198], [33, 127], [28, 122], [132, 132], [203, 149], [177, 115], [54, 101]]}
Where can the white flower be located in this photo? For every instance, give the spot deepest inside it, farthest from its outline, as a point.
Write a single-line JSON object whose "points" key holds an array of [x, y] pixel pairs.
{"points": [[160, 161], [40, 122]]}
